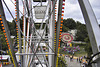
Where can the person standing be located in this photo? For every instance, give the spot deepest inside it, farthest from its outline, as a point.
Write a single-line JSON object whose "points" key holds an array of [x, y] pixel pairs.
{"points": [[77, 59]]}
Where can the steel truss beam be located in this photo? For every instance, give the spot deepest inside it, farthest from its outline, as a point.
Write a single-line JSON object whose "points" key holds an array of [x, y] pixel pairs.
{"points": [[58, 30], [24, 34], [92, 26], [31, 63], [51, 35], [19, 35], [41, 38], [36, 54], [7, 32], [53, 29]]}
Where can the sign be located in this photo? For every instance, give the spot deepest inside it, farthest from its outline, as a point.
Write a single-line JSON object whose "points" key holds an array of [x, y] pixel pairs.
{"points": [[66, 37], [40, 12]]}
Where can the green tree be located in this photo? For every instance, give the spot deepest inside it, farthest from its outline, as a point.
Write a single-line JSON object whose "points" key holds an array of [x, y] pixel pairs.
{"points": [[12, 28], [64, 28], [3, 43], [88, 47], [81, 32], [70, 23]]}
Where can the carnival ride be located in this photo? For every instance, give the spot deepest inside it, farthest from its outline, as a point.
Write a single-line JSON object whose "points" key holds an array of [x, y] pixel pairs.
{"points": [[43, 13]]}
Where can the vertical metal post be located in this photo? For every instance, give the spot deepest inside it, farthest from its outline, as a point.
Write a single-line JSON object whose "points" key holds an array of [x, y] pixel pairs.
{"points": [[92, 26], [26, 2], [50, 44], [24, 41], [7, 32], [58, 29], [19, 35], [50, 35], [52, 26], [27, 6], [27, 38], [30, 18], [53, 29]]}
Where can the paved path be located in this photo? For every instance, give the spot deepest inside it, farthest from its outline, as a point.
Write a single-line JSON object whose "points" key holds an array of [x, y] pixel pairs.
{"points": [[73, 63]]}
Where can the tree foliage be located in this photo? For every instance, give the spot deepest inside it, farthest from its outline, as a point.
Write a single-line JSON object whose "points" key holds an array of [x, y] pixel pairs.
{"points": [[88, 47], [64, 28], [3, 44], [12, 28], [70, 23], [81, 32]]}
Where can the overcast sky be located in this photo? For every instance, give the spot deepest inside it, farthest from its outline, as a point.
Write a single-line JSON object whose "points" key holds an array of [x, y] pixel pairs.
{"points": [[72, 10]]}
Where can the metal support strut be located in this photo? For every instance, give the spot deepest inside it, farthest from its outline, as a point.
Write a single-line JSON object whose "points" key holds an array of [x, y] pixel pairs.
{"points": [[7, 32], [92, 26]]}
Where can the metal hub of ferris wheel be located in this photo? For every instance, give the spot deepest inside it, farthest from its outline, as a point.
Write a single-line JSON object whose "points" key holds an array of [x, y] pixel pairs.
{"points": [[41, 33]]}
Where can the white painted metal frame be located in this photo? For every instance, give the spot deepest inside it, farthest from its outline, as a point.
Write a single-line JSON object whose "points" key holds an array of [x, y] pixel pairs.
{"points": [[92, 26]]}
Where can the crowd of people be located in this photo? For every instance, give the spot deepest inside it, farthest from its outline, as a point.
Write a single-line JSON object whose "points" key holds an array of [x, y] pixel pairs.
{"points": [[82, 60], [71, 50]]}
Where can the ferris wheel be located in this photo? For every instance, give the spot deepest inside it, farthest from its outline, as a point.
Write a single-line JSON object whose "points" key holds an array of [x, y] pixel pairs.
{"points": [[39, 32], [39, 37]]}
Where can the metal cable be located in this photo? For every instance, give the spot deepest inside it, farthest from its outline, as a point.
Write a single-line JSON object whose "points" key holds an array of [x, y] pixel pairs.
{"points": [[14, 4], [19, 26], [44, 30], [24, 7], [20, 30], [18, 20], [43, 33], [43, 19], [47, 22]]}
